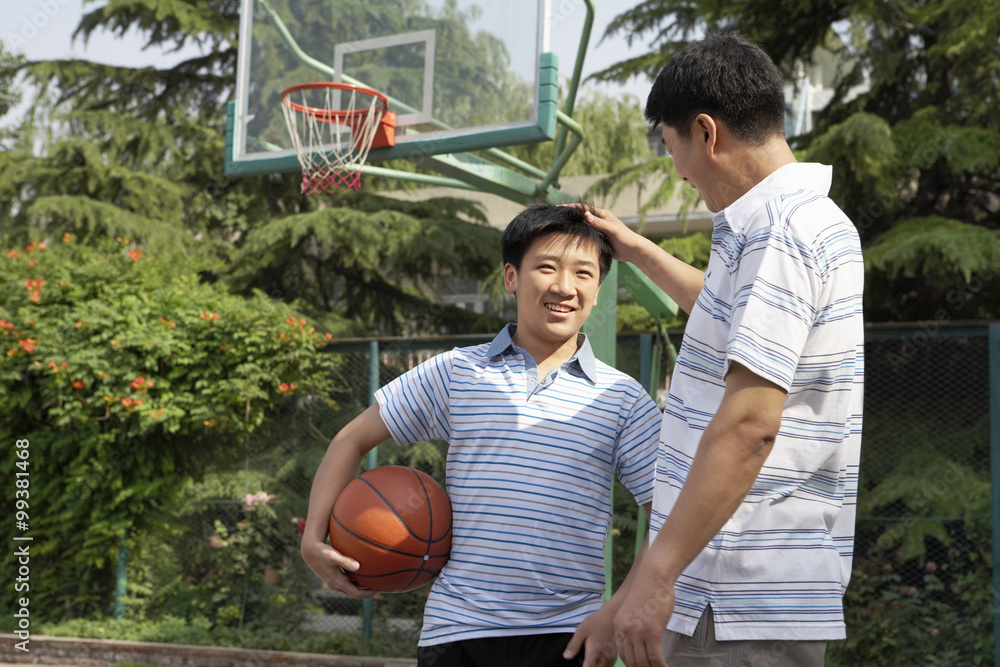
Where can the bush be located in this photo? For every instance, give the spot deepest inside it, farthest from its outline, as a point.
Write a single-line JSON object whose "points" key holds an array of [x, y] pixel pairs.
{"points": [[128, 378]]}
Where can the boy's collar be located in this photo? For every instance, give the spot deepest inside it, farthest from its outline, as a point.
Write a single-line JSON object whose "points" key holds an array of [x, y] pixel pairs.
{"points": [[584, 357]]}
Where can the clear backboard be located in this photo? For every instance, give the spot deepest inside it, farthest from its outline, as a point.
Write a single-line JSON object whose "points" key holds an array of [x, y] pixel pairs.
{"points": [[460, 75]]}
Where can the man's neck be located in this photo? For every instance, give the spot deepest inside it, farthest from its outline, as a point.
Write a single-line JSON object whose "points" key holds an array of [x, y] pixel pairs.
{"points": [[747, 166]]}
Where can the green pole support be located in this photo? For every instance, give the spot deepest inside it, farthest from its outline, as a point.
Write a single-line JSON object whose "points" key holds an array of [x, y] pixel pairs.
{"points": [[600, 326], [371, 461], [121, 580], [600, 329], [646, 363], [994, 365]]}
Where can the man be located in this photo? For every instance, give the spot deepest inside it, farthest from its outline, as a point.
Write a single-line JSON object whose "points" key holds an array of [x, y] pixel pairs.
{"points": [[753, 511], [537, 430]]}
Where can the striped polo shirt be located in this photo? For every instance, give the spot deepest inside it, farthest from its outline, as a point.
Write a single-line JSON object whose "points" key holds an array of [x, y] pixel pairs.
{"points": [[530, 466], [782, 297]]}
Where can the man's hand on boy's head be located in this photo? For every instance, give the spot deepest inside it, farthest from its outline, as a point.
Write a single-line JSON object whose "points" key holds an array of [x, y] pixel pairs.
{"points": [[618, 233], [329, 565]]}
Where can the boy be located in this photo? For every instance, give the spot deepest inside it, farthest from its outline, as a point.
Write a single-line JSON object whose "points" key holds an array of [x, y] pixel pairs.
{"points": [[537, 430]]}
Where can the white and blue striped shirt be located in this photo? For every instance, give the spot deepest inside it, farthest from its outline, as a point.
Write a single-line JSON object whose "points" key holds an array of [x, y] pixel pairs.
{"points": [[782, 297], [529, 472]]}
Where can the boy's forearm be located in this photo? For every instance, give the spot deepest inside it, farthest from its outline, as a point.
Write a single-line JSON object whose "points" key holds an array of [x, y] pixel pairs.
{"points": [[340, 466]]}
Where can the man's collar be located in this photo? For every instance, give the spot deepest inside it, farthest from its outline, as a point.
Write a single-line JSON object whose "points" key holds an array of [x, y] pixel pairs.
{"points": [[504, 342], [786, 179]]}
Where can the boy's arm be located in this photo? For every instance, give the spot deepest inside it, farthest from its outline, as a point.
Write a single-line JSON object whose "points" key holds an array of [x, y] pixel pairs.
{"points": [[338, 468], [596, 633], [681, 281]]}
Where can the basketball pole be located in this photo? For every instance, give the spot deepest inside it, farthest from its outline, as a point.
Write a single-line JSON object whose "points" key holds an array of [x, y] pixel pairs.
{"points": [[371, 461]]}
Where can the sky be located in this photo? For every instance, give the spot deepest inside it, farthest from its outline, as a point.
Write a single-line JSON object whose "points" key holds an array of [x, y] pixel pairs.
{"points": [[43, 29]]}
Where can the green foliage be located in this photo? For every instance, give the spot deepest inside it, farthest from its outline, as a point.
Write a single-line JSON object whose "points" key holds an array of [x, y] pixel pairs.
{"points": [[285, 637], [614, 137], [9, 95], [371, 261], [891, 621], [129, 377], [656, 174]]}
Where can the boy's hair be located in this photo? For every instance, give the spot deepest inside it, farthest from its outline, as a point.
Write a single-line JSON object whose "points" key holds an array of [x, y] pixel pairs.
{"points": [[727, 77], [541, 219]]}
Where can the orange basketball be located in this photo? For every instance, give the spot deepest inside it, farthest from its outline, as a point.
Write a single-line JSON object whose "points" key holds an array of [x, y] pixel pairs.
{"points": [[396, 523]]}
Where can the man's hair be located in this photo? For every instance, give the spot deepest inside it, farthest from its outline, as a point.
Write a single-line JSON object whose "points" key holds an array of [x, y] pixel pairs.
{"points": [[542, 219], [727, 77]]}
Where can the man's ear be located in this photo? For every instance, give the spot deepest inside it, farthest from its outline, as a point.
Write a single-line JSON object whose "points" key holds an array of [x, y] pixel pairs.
{"points": [[705, 130], [510, 278]]}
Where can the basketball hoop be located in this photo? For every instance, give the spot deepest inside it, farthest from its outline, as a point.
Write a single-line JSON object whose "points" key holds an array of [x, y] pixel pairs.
{"points": [[333, 135]]}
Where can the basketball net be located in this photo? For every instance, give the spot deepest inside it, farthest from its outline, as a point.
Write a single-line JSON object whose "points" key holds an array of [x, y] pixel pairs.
{"points": [[331, 142]]}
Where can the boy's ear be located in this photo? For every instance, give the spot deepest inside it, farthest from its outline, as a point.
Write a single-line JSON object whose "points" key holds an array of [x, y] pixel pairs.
{"points": [[510, 278]]}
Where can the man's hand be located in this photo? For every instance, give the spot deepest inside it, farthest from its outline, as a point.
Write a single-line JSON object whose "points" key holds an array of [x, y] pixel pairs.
{"points": [[623, 240], [640, 623], [329, 565], [596, 636]]}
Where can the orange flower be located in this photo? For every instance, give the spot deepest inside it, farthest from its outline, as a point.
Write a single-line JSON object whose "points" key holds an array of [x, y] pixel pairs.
{"points": [[78, 384], [291, 320], [283, 386], [31, 262], [127, 402], [135, 254], [140, 384], [67, 237], [36, 296], [168, 324], [11, 253], [27, 344], [329, 336], [209, 422], [302, 322], [206, 316], [81, 325]]}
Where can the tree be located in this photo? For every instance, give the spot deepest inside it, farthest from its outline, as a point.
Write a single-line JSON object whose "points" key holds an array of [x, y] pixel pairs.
{"points": [[916, 155], [9, 97]]}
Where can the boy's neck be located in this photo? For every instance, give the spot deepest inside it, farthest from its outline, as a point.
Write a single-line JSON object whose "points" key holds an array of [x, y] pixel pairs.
{"points": [[548, 355]]}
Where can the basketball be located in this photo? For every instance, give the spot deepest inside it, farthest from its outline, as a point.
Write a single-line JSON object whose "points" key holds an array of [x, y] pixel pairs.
{"points": [[396, 523]]}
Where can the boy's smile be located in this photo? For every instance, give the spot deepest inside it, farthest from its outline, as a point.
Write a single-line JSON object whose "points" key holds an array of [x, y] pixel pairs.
{"points": [[556, 288]]}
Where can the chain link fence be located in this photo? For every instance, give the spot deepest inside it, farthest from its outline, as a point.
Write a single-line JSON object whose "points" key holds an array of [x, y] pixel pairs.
{"points": [[922, 583]]}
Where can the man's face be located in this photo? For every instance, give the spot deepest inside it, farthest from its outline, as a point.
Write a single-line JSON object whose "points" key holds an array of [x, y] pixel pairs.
{"points": [[692, 163], [556, 288]]}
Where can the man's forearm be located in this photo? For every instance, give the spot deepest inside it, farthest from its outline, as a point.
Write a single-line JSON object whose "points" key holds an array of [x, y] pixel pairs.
{"points": [[681, 281]]}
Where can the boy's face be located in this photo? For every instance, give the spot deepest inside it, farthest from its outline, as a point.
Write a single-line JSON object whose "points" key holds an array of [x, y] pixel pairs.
{"points": [[556, 288]]}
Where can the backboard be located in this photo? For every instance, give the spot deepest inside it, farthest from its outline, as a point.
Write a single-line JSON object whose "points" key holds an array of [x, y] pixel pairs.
{"points": [[461, 75]]}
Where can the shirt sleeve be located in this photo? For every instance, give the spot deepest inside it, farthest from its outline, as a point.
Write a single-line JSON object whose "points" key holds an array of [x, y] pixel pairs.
{"points": [[637, 446], [773, 306], [414, 406]]}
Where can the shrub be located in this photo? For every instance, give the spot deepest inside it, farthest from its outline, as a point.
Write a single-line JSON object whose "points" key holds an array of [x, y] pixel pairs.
{"points": [[128, 377]]}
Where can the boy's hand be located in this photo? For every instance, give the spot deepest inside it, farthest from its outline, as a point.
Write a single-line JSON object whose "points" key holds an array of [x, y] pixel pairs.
{"points": [[596, 636], [329, 565]]}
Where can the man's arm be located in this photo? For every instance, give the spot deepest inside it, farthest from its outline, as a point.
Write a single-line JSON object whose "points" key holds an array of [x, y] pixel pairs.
{"points": [[338, 468], [681, 281], [730, 455]]}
